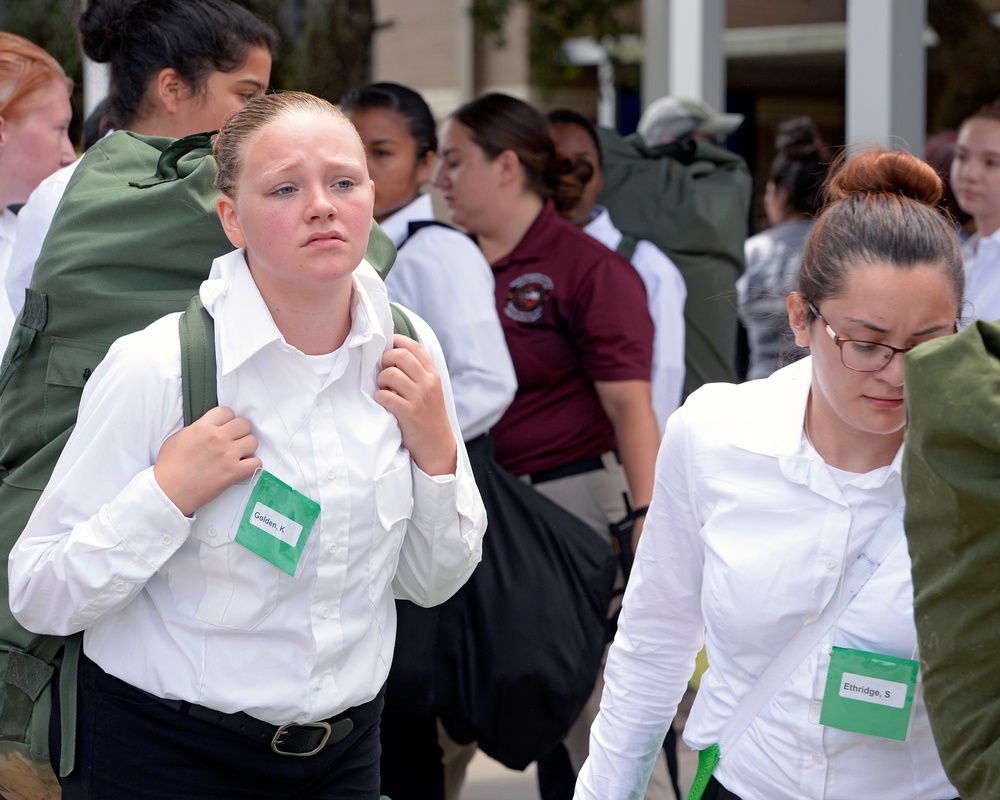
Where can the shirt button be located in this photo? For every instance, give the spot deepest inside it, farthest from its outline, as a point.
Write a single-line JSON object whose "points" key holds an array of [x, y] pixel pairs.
{"points": [[167, 540], [319, 683], [333, 547], [325, 613], [831, 563], [121, 587], [211, 531], [331, 474], [818, 758]]}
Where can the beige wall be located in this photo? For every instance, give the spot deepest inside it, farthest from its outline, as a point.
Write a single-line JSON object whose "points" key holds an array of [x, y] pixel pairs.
{"points": [[422, 48]]}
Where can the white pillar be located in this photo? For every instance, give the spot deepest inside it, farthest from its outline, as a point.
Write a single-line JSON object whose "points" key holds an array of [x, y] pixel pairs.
{"points": [[696, 57], [655, 37], [887, 73], [95, 84], [465, 45]]}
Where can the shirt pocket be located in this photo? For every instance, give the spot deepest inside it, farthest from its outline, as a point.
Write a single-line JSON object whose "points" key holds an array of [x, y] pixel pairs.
{"points": [[393, 506], [238, 590]]}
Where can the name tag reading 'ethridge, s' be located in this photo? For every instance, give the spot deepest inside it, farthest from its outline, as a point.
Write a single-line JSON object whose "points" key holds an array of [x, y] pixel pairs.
{"points": [[869, 693]]}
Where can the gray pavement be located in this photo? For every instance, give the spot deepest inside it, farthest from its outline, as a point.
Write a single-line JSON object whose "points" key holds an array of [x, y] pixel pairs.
{"points": [[490, 780]]}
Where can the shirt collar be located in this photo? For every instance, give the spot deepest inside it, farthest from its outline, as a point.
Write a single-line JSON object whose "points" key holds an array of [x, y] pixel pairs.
{"points": [[245, 324], [771, 422], [602, 228], [397, 226], [8, 225]]}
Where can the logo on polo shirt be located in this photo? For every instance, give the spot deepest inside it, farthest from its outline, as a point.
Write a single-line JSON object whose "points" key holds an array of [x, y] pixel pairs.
{"points": [[526, 297]]}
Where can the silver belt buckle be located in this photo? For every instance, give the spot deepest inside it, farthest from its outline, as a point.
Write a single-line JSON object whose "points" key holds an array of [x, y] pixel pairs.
{"points": [[278, 734]]}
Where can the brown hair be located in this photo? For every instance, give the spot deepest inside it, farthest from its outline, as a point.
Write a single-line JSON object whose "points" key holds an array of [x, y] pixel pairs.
{"points": [[881, 208], [499, 122], [27, 73], [800, 164], [139, 38], [989, 111], [231, 143]]}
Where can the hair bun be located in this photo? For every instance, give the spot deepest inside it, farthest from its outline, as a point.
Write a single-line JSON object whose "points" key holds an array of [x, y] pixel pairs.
{"points": [[889, 172], [798, 138], [103, 24]]}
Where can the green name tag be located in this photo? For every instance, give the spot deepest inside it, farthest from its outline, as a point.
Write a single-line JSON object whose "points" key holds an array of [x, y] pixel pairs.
{"points": [[869, 693], [277, 522]]}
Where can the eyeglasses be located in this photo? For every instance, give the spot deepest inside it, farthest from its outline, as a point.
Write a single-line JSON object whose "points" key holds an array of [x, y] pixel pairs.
{"points": [[858, 355]]}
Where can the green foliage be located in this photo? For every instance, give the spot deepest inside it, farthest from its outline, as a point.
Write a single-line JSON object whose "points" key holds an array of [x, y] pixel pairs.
{"points": [[325, 46], [51, 24], [552, 22]]}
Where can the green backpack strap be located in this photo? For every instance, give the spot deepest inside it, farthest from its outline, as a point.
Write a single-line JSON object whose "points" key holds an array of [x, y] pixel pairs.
{"points": [[199, 371], [402, 324], [199, 381], [626, 247]]}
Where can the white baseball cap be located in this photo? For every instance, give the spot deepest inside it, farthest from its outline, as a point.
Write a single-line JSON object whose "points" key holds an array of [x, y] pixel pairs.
{"points": [[670, 118]]}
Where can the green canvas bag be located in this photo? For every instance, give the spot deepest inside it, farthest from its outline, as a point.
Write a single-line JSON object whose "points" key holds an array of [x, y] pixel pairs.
{"points": [[951, 480], [692, 200], [132, 239]]}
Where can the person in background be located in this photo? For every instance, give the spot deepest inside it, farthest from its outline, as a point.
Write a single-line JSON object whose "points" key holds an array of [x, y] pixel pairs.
{"points": [[263, 666], [441, 274], [775, 501], [975, 180], [671, 183], [35, 114], [939, 152], [581, 428], [773, 256], [175, 69], [576, 140]]}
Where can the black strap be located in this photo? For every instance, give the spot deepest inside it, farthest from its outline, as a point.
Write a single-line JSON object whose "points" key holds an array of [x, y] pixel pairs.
{"points": [[626, 247], [418, 225]]}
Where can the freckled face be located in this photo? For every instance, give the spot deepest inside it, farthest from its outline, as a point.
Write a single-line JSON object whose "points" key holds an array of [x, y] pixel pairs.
{"points": [[303, 205], [36, 145]]}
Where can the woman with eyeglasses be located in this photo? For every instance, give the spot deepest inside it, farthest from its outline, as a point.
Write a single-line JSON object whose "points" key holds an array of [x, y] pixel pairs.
{"points": [[775, 534]]}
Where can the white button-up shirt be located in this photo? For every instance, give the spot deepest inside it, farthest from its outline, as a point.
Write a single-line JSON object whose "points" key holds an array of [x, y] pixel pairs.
{"points": [[34, 221], [982, 276], [666, 293], [173, 605], [444, 277], [745, 541]]}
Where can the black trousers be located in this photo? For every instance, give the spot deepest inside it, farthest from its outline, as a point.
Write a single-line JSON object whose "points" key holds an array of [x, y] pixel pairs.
{"points": [[411, 756], [716, 791], [132, 747]]}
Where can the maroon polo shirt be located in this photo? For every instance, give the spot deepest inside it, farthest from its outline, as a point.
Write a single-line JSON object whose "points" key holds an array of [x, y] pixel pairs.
{"points": [[573, 312]]}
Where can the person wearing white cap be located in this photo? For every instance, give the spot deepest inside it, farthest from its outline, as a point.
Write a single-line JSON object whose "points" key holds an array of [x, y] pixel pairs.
{"points": [[671, 118]]}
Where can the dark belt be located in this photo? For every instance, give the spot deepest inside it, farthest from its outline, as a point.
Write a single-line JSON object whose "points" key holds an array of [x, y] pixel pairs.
{"points": [[568, 470], [291, 739]]}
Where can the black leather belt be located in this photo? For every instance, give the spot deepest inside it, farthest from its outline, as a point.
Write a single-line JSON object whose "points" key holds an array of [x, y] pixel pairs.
{"points": [[573, 468], [305, 739]]}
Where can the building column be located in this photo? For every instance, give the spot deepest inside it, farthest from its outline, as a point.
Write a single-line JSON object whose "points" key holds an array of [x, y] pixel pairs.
{"points": [[683, 51], [887, 73]]}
